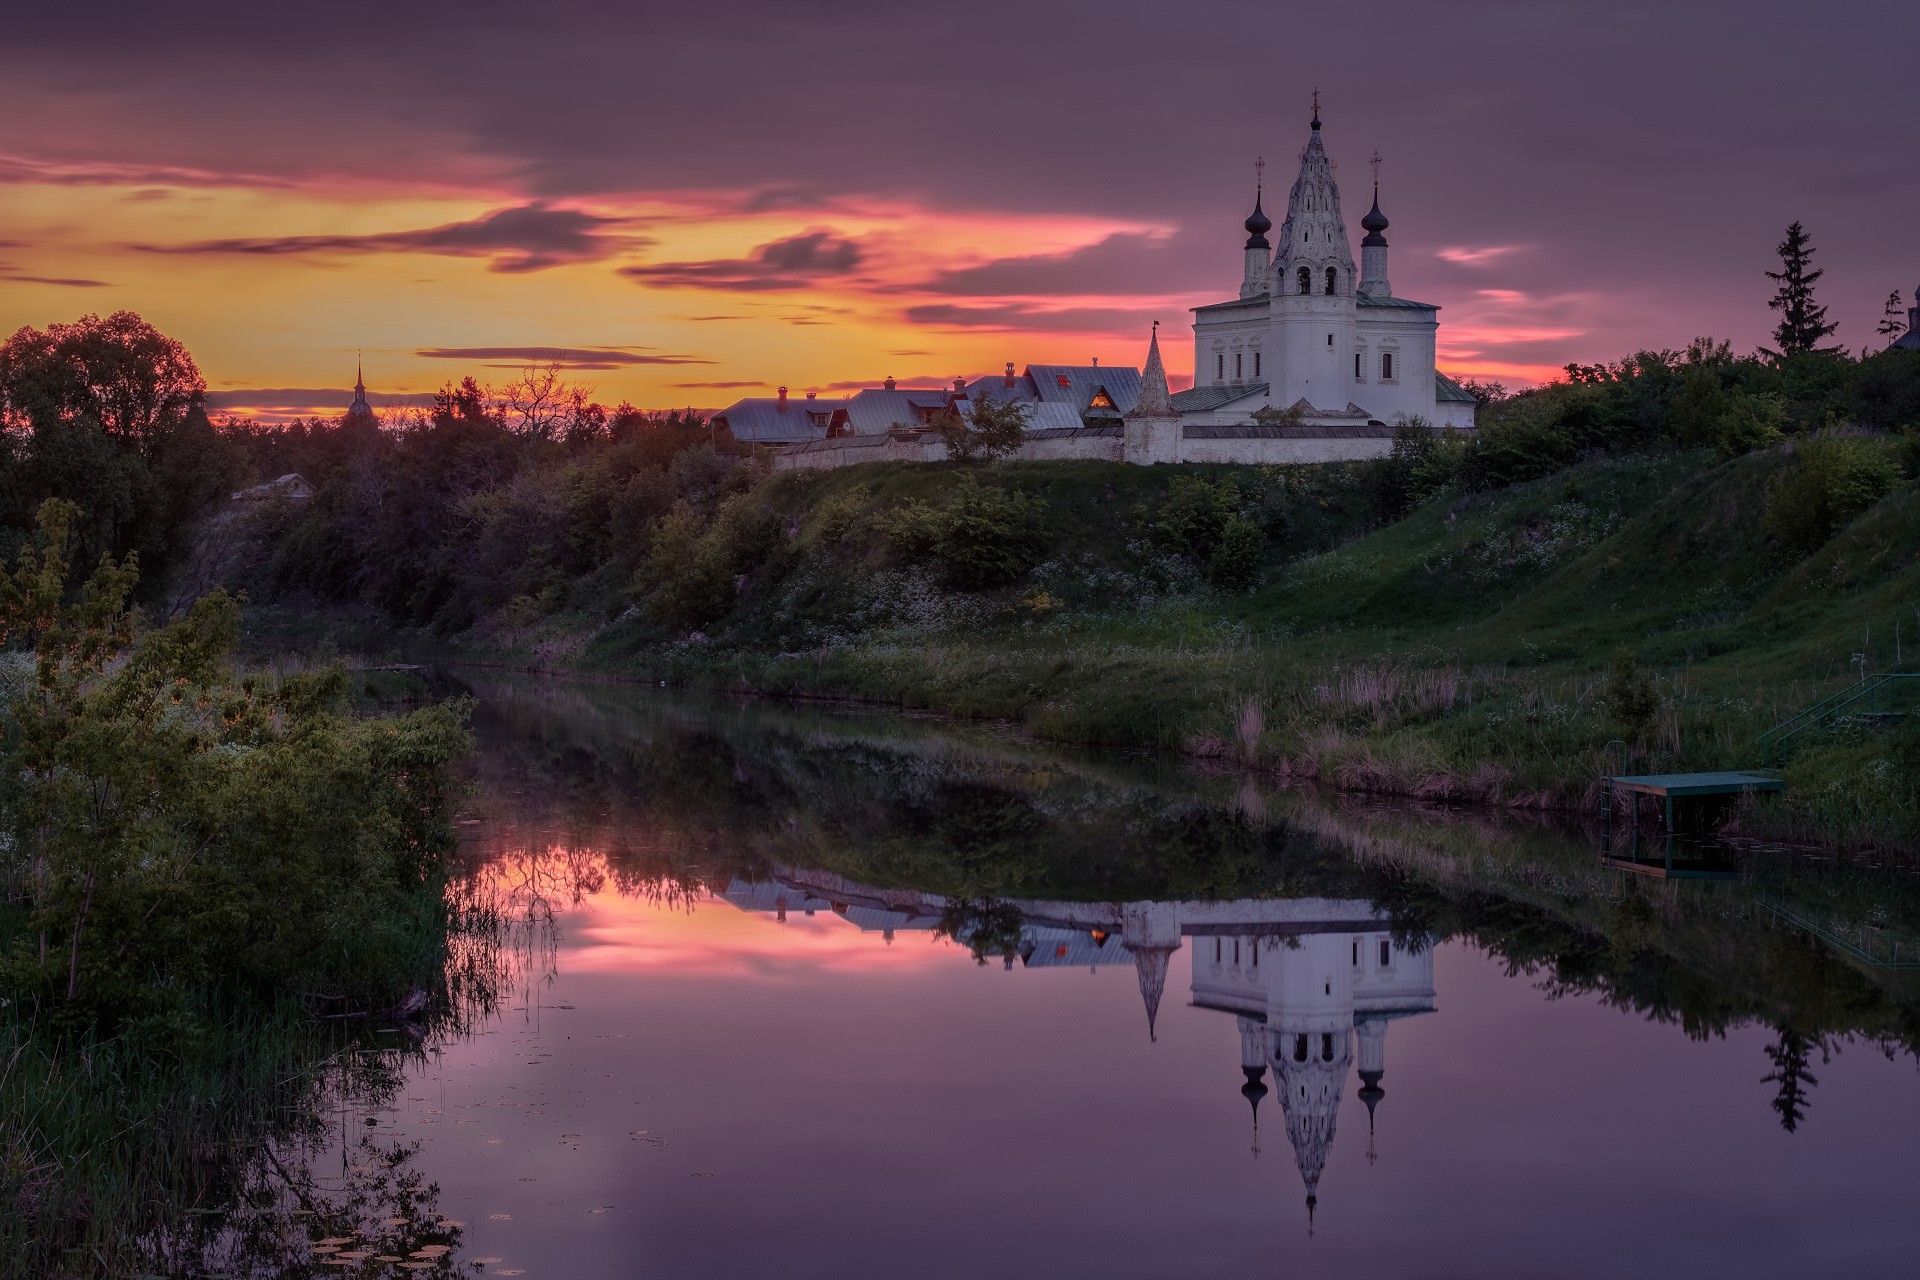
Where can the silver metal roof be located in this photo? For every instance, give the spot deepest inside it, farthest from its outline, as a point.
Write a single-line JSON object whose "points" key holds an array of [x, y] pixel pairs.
{"points": [[762, 419]]}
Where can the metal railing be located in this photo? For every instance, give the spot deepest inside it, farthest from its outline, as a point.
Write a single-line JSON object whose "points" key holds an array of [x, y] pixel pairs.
{"points": [[1874, 698]]}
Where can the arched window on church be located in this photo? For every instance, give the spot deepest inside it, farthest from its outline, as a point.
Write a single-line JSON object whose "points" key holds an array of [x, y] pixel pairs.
{"points": [[1220, 366], [1256, 364], [1306, 279], [1326, 1046], [1386, 366], [1299, 1048], [1239, 366], [1332, 277]]}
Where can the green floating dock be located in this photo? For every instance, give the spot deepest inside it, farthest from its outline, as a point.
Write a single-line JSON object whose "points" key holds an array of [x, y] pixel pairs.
{"points": [[1727, 783]]}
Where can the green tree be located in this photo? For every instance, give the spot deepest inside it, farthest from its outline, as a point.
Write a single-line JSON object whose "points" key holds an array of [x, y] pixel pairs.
{"points": [[986, 429], [1803, 322], [1833, 479], [1632, 700], [981, 537], [1239, 555], [1194, 515]]}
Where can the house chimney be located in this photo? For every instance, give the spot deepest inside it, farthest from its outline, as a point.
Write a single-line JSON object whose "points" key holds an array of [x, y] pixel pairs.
{"points": [[888, 384], [813, 395], [1008, 381], [783, 399], [1096, 362], [959, 384]]}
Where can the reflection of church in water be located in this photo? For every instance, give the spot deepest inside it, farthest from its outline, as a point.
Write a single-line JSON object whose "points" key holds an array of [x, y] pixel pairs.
{"points": [[1311, 982]]}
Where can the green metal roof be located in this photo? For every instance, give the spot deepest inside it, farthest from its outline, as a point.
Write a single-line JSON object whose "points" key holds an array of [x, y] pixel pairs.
{"points": [[1258, 300], [1404, 304], [1201, 399], [1445, 388]]}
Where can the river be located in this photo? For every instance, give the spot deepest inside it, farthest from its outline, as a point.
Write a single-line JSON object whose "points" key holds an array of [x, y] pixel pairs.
{"points": [[814, 992]]}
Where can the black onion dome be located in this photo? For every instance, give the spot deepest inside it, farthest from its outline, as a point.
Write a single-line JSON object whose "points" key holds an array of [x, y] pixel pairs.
{"points": [[1375, 222], [1258, 224]]}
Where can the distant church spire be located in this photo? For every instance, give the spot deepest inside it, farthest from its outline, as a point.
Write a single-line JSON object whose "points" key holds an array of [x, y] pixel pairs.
{"points": [[359, 406]]}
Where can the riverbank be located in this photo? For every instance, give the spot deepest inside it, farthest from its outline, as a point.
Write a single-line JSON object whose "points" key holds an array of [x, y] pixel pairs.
{"points": [[1469, 652]]}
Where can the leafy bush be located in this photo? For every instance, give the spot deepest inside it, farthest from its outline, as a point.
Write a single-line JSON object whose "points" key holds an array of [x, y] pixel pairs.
{"points": [[981, 537], [167, 826], [1194, 515], [1239, 555], [1835, 478], [1632, 701]]}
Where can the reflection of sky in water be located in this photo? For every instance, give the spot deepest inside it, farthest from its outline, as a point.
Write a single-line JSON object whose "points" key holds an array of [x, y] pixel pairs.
{"points": [[742, 1096]]}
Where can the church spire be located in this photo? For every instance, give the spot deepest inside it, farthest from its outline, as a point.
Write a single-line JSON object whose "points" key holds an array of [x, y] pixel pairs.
{"points": [[1313, 239], [359, 407], [1155, 400]]}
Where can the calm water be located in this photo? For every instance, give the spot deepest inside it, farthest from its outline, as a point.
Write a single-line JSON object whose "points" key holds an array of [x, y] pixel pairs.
{"points": [[809, 994]]}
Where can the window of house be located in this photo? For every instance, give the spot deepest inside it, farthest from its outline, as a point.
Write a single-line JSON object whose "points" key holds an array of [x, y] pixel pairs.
{"points": [[1332, 276], [1329, 339], [1101, 400], [1216, 951], [1386, 365], [1239, 366], [1356, 952], [1358, 376], [1220, 366], [1306, 279], [1256, 364], [1386, 952], [1236, 951]]}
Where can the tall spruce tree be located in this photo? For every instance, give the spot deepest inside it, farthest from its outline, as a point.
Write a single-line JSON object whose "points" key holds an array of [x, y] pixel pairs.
{"points": [[1802, 322], [1893, 320]]}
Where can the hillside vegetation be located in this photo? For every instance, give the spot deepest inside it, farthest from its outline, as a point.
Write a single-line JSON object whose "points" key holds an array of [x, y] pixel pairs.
{"points": [[1401, 626]]}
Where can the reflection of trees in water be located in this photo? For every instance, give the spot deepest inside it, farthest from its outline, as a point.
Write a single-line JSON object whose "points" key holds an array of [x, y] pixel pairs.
{"points": [[987, 926], [678, 798], [282, 1215], [1791, 1053]]}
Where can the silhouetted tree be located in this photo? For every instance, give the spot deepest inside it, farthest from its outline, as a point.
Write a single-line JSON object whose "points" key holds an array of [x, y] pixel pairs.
{"points": [[1893, 318], [1802, 321]]}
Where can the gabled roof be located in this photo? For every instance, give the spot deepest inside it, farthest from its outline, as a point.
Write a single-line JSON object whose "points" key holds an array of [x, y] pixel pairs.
{"points": [[762, 419], [1203, 399], [1075, 384], [1446, 389], [1072, 384], [877, 409], [1908, 341]]}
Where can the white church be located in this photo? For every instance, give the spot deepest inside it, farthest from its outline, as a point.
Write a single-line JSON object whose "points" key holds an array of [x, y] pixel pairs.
{"points": [[1316, 360]]}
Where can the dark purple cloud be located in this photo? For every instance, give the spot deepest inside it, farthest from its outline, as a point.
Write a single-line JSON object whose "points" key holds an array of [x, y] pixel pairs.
{"points": [[62, 281], [1121, 264], [529, 237], [796, 262], [1020, 317], [565, 357]]}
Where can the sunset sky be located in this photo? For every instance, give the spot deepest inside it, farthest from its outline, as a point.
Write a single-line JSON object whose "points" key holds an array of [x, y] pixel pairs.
{"points": [[693, 202]]}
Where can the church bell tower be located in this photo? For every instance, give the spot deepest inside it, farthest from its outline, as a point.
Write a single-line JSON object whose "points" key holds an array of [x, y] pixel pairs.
{"points": [[1313, 286]]}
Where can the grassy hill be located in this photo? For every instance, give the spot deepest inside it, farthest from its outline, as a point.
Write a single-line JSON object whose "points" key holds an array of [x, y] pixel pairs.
{"points": [[1467, 647]]}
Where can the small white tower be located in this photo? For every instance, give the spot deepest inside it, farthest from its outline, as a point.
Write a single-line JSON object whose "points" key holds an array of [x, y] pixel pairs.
{"points": [[1259, 255], [1152, 427], [1373, 249]]}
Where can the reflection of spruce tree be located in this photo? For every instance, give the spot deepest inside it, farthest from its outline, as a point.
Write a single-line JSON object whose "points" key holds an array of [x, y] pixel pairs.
{"points": [[1790, 1055]]}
